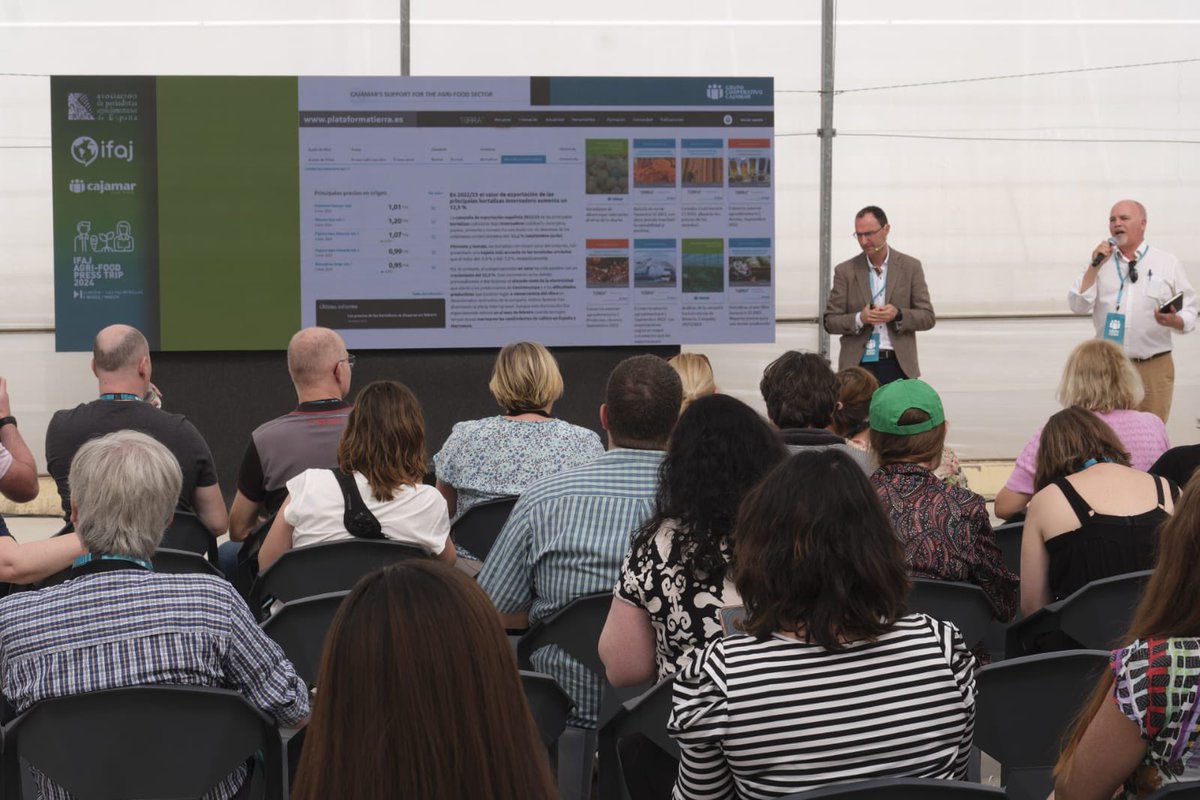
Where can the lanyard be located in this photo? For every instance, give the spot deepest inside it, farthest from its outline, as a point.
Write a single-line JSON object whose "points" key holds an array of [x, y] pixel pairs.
{"points": [[119, 396], [871, 278], [1138, 255]]}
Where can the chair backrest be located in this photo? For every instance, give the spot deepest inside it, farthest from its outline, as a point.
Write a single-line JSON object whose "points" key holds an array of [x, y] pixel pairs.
{"points": [[548, 703], [139, 742], [1023, 706], [730, 616], [1187, 790], [964, 604], [477, 529], [323, 568], [179, 562], [575, 628], [187, 532], [646, 714], [1094, 617], [300, 627], [903, 789], [1008, 539]]}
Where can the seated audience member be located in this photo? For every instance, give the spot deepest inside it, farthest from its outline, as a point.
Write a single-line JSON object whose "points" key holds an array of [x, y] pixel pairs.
{"points": [[118, 623], [569, 532], [696, 374], [419, 697], [1178, 463], [1138, 728], [121, 363], [676, 577], [830, 665], [1093, 515], [945, 530], [1100, 378], [18, 472], [801, 393], [496, 456], [850, 419], [304, 438], [383, 449]]}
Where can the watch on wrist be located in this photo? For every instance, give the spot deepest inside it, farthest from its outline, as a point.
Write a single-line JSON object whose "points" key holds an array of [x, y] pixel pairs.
{"points": [[9, 420], [899, 315]]}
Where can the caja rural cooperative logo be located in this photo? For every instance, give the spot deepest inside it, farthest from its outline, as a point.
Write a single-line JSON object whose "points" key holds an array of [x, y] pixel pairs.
{"points": [[85, 150]]}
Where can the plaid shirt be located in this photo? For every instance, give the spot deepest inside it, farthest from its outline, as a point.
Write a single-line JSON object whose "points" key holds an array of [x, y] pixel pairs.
{"points": [[567, 537], [129, 627]]}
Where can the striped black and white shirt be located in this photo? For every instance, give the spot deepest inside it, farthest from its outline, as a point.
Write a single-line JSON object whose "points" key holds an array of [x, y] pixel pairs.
{"points": [[765, 718]]}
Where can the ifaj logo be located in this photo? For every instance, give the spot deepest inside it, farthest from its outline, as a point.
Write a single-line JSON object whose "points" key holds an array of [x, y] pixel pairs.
{"points": [[85, 150]]}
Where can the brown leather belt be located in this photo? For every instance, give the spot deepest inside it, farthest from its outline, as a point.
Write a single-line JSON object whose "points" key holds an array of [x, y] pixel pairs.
{"points": [[1150, 358]]}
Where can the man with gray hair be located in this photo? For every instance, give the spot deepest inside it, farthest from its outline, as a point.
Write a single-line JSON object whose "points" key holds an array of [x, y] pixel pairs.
{"points": [[121, 363], [117, 623]]}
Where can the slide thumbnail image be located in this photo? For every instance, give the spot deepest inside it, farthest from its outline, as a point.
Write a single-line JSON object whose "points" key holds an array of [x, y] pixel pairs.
{"points": [[703, 172], [607, 165], [749, 172], [750, 271], [654, 270], [605, 272], [703, 272], [650, 172]]}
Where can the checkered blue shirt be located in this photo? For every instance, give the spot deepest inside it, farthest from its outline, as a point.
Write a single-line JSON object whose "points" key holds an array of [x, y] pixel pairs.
{"points": [[130, 627], [566, 537]]}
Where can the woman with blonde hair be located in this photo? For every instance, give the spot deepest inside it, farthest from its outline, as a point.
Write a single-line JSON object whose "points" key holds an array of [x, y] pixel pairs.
{"points": [[696, 374], [419, 697], [382, 450], [484, 459], [1093, 515], [1100, 378], [1138, 728]]}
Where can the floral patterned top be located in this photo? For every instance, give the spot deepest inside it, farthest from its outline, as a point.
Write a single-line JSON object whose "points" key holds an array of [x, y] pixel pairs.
{"points": [[1155, 685], [946, 533], [949, 471], [684, 607], [488, 458]]}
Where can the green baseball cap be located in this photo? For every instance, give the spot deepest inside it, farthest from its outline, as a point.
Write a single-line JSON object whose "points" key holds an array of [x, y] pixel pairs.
{"points": [[890, 402]]}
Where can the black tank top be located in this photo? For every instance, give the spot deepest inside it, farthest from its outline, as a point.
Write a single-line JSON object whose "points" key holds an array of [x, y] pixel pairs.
{"points": [[1103, 544]]}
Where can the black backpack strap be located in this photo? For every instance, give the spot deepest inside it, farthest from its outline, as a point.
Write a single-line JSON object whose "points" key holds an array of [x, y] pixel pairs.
{"points": [[358, 519]]}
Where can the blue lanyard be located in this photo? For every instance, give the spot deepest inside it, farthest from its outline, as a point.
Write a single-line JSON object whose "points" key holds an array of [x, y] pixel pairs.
{"points": [[119, 396], [88, 558], [1138, 255], [875, 295]]}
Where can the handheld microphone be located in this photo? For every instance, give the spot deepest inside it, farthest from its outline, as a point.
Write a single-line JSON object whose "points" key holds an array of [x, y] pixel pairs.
{"points": [[1099, 257]]}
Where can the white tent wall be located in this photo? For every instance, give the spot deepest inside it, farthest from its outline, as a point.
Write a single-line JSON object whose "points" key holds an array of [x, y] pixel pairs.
{"points": [[1002, 226]]}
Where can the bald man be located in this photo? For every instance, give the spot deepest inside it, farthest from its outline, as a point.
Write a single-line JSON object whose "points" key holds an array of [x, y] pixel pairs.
{"points": [[121, 364], [304, 438], [1124, 288]]}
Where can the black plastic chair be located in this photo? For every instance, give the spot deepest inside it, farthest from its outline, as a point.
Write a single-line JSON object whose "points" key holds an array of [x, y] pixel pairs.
{"points": [[187, 532], [323, 568], [1093, 617], [1008, 539], [300, 627], [548, 703], [646, 715], [1023, 706], [132, 742], [477, 529], [964, 604], [182, 562], [576, 629], [1187, 790], [902, 789]]}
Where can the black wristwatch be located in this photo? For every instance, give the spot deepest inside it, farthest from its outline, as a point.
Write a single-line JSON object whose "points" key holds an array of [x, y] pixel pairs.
{"points": [[7, 421], [899, 315]]}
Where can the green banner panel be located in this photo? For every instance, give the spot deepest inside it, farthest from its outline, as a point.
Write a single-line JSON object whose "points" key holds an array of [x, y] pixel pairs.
{"points": [[229, 265]]}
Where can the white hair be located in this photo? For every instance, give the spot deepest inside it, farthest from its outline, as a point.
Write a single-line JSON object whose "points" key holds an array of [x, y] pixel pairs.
{"points": [[124, 488]]}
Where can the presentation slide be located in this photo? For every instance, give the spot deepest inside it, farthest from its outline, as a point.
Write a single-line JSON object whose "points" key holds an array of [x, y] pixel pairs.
{"points": [[442, 212]]}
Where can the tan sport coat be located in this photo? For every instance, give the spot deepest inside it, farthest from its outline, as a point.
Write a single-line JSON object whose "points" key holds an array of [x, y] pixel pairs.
{"points": [[906, 290]]}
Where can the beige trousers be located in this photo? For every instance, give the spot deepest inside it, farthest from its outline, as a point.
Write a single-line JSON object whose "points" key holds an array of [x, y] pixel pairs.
{"points": [[1158, 376]]}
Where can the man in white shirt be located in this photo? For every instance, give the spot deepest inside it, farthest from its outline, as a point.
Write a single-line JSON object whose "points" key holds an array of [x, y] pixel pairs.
{"points": [[1124, 288]]}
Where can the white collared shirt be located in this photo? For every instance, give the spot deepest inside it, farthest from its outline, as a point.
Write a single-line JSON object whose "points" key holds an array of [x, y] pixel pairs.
{"points": [[1160, 277], [879, 284]]}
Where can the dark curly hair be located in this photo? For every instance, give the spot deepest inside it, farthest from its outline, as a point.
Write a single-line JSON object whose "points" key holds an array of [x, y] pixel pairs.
{"points": [[720, 448]]}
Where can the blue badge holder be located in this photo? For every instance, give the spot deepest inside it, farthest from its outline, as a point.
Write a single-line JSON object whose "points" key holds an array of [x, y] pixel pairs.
{"points": [[871, 352], [1114, 328]]}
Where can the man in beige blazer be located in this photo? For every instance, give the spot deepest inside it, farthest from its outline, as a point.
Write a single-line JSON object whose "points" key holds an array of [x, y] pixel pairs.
{"points": [[878, 303]]}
